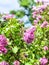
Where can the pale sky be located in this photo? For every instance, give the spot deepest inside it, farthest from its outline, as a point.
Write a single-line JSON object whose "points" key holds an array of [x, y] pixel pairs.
{"points": [[7, 5]]}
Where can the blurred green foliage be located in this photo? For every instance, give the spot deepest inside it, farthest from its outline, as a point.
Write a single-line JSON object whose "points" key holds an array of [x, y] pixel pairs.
{"points": [[26, 3]]}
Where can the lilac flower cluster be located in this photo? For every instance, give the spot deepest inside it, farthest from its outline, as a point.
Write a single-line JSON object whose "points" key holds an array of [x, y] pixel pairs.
{"points": [[44, 24], [16, 62], [3, 63], [3, 40], [45, 48], [29, 35], [37, 12], [3, 50], [43, 1], [3, 43], [8, 16], [43, 61]]}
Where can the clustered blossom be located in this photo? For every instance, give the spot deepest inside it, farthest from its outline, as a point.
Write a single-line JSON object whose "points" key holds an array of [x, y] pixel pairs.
{"points": [[3, 43], [35, 22], [16, 62], [4, 63], [3, 40], [43, 61], [44, 24], [38, 11], [39, 17], [29, 35], [43, 1], [3, 50], [45, 48], [8, 16]]}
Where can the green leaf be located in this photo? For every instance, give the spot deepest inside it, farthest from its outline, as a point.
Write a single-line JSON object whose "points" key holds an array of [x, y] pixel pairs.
{"points": [[15, 49], [28, 63]]}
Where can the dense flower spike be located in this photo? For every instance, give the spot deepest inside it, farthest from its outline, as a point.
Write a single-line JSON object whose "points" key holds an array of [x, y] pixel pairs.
{"points": [[3, 43], [28, 38], [4, 63], [16, 62], [3, 40], [29, 35], [3, 50], [43, 61]]}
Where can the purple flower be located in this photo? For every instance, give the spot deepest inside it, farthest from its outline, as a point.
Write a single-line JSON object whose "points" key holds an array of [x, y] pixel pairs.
{"points": [[4, 63], [44, 1], [44, 24], [28, 38], [16, 62], [35, 22], [43, 7], [34, 8], [34, 14], [29, 35], [45, 48], [8, 16], [43, 61], [31, 30], [39, 17], [3, 40], [3, 50]]}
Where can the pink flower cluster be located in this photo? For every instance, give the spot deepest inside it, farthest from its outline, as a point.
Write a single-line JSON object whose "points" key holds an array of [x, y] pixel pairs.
{"points": [[35, 22], [3, 40], [8, 16], [29, 35], [44, 1], [43, 61], [45, 48], [37, 12], [44, 24], [16, 62], [4, 63], [3, 50], [3, 43]]}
